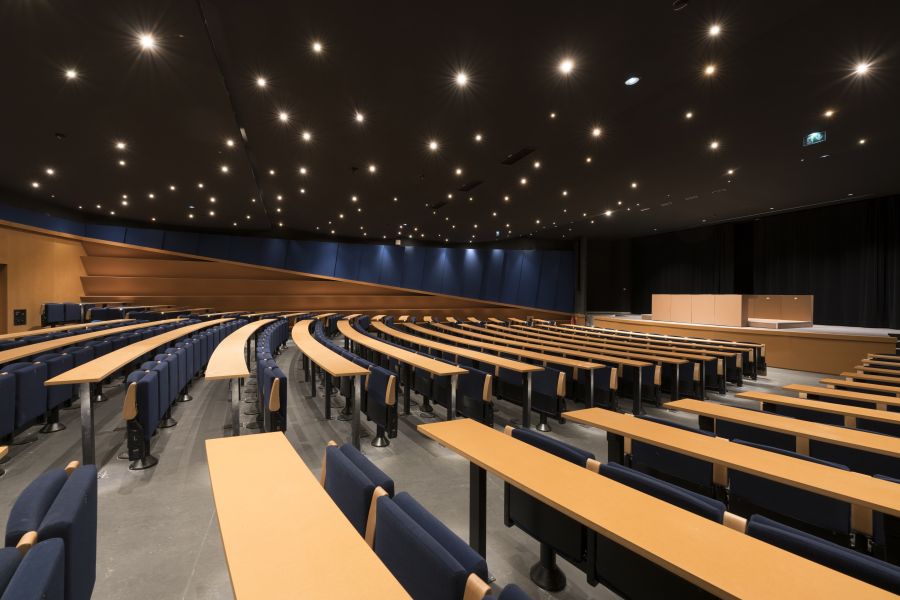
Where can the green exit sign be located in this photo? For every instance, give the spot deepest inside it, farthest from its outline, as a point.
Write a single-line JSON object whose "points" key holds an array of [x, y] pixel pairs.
{"points": [[816, 137]]}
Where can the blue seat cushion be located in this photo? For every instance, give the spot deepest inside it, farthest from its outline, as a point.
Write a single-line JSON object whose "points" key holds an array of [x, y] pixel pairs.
{"points": [[9, 562], [422, 566], [375, 475], [680, 497], [470, 560], [548, 444], [32, 505], [839, 558], [349, 487], [511, 592], [40, 574]]}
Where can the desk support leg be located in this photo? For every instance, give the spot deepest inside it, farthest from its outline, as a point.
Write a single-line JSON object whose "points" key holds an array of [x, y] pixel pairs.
{"points": [[615, 452], [312, 384], [406, 380], [590, 402], [235, 406], [477, 509], [636, 405], [87, 424], [675, 392], [526, 404], [703, 382], [357, 401], [451, 410]]}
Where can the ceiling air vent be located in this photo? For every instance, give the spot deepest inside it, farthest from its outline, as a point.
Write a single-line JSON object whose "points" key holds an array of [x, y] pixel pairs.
{"points": [[438, 205], [466, 187], [517, 156]]}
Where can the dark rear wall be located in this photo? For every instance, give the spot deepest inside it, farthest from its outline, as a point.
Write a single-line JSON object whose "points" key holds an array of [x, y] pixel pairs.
{"points": [[846, 255]]}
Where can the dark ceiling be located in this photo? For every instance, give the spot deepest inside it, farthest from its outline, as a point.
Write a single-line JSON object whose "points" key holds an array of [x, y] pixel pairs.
{"points": [[779, 67]]}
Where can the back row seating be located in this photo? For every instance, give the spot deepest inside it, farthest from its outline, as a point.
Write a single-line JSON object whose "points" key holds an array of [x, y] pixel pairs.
{"points": [[153, 389], [51, 537], [57, 313], [50, 334], [271, 382]]}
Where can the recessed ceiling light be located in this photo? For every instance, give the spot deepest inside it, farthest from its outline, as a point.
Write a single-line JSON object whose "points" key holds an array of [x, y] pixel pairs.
{"points": [[596, 132], [212, 199], [147, 41], [458, 171], [565, 192], [588, 160], [172, 188], [200, 185], [433, 145], [271, 171], [303, 170], [714, 145], [212, 213], [279, 197], [190, 215], [307, 136], [462, 79], [302, 190], [688, 115], [731, 171], [619, 203], [49, 171], [478, 137], [714, 30], [632, 80], [283, 117], [124, 202], [566, 66], [341, 216], [35, 184], [359, 117], [151, 195], [608, 213], [120, 145], [553, 115], [523, 181], [121, 163], [709, 70], [506, 198], [862, 141], [224, 168], [372, 168], [317, 47], [537, 164], [153, 219], [71, 74], [829, 113], [229, 143], [634, 185], [261, 82], [862, 68]]}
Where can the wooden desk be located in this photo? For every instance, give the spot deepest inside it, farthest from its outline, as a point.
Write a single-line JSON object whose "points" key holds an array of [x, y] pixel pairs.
{"points": [[853, 376], [848, 411], [723, 561], [3, 451], [427, 319], [332, 363], [880, 401], [451, 320], [803, 431], [321, 316], [864, 492], [230, 361], [15, 354], [307, 548], [473, 320], [886, 364], [877, 371], [378, 318], [495, 320], [403, 318], [100, 368], [45, 330], [873, 388], [525, 369], [409, 359], [888, 357]]}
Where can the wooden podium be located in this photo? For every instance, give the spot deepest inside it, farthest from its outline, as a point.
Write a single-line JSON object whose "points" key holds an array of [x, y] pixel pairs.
{"points": [[734, 310]]}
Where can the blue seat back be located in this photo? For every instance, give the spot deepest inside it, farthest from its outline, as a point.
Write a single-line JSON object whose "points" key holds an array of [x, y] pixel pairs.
{"points": [[349, 487], [31, 395], [546, 443], [39, 575], [7, 403]]}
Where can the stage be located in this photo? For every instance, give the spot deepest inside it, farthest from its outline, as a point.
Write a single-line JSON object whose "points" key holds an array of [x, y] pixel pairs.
{"points": [[819, 348]]}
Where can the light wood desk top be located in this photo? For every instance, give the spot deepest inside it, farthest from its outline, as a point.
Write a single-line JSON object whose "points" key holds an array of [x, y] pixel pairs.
{"points": [[889, 357], [435, 367], [857, 489], [293, 315], [877, 362], [403, 318], [3, 451], [491, 359], [44, 330], [104, 366], [850, 412], [227, 312], [229, 359], [329, 360], [643, 334], [174, 311], [321, 316], [843, 394], [862, 386], [585, 350], [852, 438], [721, 560], [353, 316], [878, 371], [473, 320], [262, 314], [378, 317], [451, 320], [308, 549], [672, 340], [14, 354], [521, 351], [869, 377], [495, 320], [427, 319]]}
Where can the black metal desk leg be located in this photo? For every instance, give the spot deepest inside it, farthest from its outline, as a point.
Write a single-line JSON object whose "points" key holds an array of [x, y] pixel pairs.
{"points": [[477, 509], [636, 404], [87, 424], [526, 404]]}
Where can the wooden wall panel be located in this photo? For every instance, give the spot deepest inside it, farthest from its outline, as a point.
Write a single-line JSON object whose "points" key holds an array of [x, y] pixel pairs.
{"points": [[192, 286], [661, 307], [39, 268], [730, 310], [681, 308], [164, 267], [703, 308]]}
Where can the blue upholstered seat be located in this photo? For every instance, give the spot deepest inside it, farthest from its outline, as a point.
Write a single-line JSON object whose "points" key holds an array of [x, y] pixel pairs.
{"points": [[381, 404], [39, 575], [349, 487], [510, 592], [72, 312], [32, 504], [7, 403], [857, 460], [845, 560], [56, 365], [546, 443], [9, 562], [31, 395], [54, 313], [671, 466], [759, 435]]}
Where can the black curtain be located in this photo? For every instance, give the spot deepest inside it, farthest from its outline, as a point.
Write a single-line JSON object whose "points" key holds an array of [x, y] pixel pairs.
{"points": [[846, 255], [695, 261]]}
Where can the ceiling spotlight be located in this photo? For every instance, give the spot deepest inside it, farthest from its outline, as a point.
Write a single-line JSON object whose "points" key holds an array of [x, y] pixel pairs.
{"points": [[588, 160], [353, 198], [862, 141], [359, 117], [462, 79], [121, 163], [271, 171], [829, 113], [862, 68], [190, 215], [303, 170], [730, 171], [200, 185], [212, 213], [596, 132], [709, 70], [566, 66], [478, 137], [372, 168], [71, 74], [608, 213], [458, 171], [634, 185], [632, 80], [714, 145], [714, 30], [433, 145], [49, 171], [124, 202], [261, 82], [212, 199], [147, 41], [35, 184], [302, 190], [279, 197], [283, 117], [523, 181], [688, 115], [506, 198], [224, 168], [537, 164], [565, 192], [307, 136], [172, 188], [120, 145], [553, 115], [317, 47], [151, 195]]}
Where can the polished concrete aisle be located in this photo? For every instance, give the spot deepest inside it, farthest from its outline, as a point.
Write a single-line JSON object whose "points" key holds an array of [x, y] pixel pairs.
{"points": [[158, 535]]}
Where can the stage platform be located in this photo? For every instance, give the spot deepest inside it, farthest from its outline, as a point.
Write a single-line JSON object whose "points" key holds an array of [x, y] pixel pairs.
{"points": [[817, 348]]}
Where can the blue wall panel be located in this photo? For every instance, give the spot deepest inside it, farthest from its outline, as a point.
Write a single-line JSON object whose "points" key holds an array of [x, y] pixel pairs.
{"points": [[413, 267], [149, 238], [546, 293], [493, 276], [218, 246], [391, 271], [472, 267], [110, 233], [565, 283], [370, 263], [435, 265], [529, 278], [453, 275], [512, 270], [347, 264], [177, 241], [322, 257]]}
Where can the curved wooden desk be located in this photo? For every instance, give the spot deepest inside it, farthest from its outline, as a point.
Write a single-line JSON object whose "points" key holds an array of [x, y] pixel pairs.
{"points": [[14, 354], [861, 386], [848, 411], [332, 363], [803, 431], [880, 401], [100, 368], [308, 548], [408, 358], [723, 561], [863, 492], [44, 330], [498, 361], [855, 376], [230, 361]]}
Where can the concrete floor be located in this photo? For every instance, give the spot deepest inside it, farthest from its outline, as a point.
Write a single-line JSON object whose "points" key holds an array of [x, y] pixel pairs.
{"points": [[158, 535]]}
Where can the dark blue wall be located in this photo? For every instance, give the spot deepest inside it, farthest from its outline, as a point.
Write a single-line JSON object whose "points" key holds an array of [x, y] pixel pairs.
{"points": [[538, 278]]}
